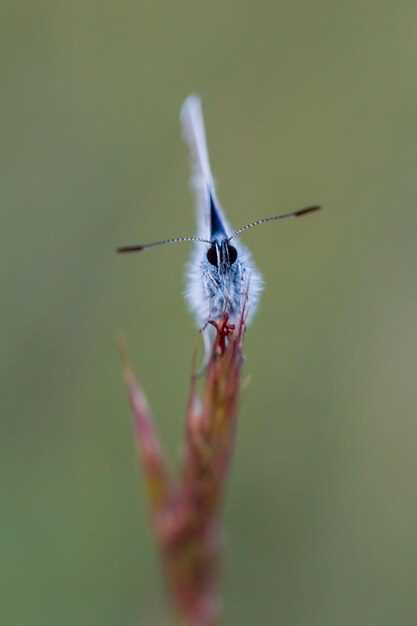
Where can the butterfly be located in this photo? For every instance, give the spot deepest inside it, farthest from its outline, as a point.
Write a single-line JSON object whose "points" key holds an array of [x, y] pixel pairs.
{"points": [[221, 276]]}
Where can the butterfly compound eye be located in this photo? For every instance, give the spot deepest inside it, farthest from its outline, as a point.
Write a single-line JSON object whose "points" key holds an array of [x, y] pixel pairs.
{"points": [[212, 256], [232, 254]]}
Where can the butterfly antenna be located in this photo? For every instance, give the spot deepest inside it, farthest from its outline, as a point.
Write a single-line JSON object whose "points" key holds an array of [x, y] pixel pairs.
{"points": [[299, 213], [146, 246]]}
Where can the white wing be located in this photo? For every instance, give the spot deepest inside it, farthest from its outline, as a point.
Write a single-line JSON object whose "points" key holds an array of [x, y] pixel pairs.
{"points": [[202, 180]]}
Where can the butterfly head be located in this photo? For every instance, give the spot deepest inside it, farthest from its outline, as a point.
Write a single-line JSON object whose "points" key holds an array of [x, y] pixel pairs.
{"points": [[221, 255]]}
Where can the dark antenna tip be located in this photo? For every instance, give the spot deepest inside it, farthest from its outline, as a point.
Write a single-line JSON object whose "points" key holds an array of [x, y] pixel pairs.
{"points": [[309, 209], [124, 249]]}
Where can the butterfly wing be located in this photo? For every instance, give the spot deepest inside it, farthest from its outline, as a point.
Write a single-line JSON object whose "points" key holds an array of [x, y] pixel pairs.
{"points": [[210, 217]]}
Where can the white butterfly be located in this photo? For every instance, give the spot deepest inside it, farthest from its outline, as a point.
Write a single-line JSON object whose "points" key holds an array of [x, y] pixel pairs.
{"points": [[221, 276]]}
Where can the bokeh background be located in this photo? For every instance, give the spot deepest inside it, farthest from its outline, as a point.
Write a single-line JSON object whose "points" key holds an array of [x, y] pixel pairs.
{"points": [[305, 102]]}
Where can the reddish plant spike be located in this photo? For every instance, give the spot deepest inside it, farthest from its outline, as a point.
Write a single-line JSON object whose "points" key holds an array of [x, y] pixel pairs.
{"points": [[187, 510]]}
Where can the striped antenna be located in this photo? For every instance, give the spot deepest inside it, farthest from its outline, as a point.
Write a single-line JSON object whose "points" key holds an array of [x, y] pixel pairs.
{"points": [[299, 213], [146, 246]]}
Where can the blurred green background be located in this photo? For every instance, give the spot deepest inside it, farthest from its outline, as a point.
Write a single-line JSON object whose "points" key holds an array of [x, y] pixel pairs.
{"points": [[305, 102]]}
